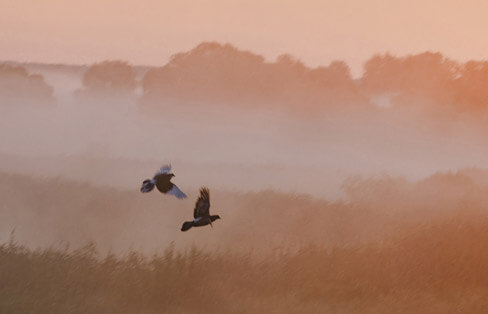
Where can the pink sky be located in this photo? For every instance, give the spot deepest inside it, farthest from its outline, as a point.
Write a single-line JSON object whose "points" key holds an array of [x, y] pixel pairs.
{"points": [[317, 32]]}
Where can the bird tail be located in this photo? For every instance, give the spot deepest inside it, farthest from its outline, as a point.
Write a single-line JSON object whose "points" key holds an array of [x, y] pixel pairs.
{"points": [[147, 186], [187, 225]]}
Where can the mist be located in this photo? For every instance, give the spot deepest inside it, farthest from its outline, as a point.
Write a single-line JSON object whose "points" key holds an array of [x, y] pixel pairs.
{"points": [[316, 175], [228, 146]]}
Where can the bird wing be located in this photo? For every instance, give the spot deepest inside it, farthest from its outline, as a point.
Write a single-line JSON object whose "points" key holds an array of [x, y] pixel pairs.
{"points": [[202, 206], [176, 192], [165, 169]]}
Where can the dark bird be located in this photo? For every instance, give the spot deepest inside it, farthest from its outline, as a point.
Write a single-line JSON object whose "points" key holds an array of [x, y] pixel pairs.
{"points": [[201, 212], [162, 181]]}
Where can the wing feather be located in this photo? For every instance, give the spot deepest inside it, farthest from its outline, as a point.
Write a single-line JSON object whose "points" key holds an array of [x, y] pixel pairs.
{"points": [[176, 192], [165, 169], [202, 206]]}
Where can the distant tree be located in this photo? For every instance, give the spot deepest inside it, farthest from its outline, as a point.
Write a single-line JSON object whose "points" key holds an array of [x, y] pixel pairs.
{"points": [[472, 86], [109, 77], [216, 73], [422, 78], [289, 62], [337, 74], [421, 72], [18, 86], [210, 71], [382, 73]]}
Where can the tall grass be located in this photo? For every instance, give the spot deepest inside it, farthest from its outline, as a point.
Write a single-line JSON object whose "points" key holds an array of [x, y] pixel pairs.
{"points": [[393, 246], [437, 268]]}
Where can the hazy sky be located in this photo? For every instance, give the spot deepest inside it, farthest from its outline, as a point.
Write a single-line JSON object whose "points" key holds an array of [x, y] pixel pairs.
{"points": [[149, 31]]}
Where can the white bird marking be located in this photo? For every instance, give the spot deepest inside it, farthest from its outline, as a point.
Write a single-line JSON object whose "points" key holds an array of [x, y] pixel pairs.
{"points": [[176, 192], [165, 169]]}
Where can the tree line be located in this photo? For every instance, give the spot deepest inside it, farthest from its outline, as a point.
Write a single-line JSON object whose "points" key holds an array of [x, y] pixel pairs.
{"points": [[222, 74]]}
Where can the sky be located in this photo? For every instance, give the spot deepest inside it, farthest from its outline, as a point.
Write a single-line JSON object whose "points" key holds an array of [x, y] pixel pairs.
{"points": [[148, 32]]}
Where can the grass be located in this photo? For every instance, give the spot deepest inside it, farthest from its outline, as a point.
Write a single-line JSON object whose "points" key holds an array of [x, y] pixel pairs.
{"points": [[436, 268], [393, 247]]}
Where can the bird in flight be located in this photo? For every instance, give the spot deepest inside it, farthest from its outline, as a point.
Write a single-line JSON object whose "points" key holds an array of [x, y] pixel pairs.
{"points": [[162, 181], [201, 212]]}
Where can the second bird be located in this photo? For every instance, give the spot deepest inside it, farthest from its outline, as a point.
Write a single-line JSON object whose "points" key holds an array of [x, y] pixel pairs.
{"points": [[201, 213], [162, 181]]}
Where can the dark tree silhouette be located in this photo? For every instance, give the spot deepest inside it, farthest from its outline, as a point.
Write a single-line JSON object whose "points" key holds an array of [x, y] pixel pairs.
{"points": [[428, 75], [337, 74], [17, 86], [109, 78], [223, 74], [472, 87]]}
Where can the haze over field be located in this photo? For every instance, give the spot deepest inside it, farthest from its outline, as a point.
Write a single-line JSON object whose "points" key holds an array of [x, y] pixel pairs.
{"points": [[305, 130]]}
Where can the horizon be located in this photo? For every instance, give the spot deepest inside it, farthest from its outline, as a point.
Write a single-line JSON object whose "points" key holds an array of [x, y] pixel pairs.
{"points": [[358, 75], [316, 32]]}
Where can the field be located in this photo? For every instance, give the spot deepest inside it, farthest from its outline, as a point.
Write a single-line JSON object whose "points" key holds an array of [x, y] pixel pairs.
{"points": [[303, 254]]}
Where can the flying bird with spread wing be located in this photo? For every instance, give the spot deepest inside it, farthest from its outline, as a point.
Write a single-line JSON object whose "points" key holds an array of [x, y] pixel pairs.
{"points": [[162, 181], [201, 212]]}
